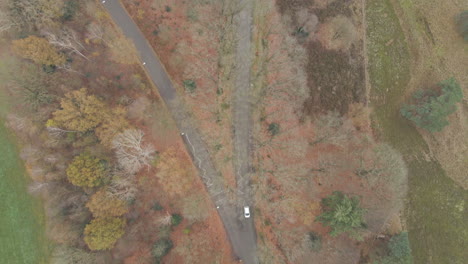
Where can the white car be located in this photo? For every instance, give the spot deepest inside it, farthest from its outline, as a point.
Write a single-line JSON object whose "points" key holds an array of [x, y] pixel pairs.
{"points": [[246, 212]]}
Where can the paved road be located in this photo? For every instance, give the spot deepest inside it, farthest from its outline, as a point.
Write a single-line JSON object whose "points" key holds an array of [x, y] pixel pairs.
{"points": [[242, 116], [239, 230]]}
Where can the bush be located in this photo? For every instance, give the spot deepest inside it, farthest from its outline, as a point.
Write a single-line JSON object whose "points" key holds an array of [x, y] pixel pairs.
{"points": [[161, 248], [399, 245], [102, 233], [190, 85], [69, 9], [87, 171], [342, 214], [176, 219], [157, 207], [431, 107], [462, 24], [274, 129], [315, 241], [399, 250]]}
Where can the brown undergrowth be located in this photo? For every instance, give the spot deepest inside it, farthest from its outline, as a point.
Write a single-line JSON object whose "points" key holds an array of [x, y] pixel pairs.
{"points": [[308, 147]]}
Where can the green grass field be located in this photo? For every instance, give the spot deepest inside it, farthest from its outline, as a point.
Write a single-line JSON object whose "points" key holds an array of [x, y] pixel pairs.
{"points": [[436, 213], [22, 239]]}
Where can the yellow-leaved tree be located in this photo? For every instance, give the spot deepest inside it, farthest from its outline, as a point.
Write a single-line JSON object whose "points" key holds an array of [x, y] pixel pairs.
{"points": [[102, 233], [102, 204], [114, 123], [38, 50], [87, 171], [80, 111]]}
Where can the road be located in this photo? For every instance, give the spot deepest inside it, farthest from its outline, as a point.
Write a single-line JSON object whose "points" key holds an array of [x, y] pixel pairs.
{"points": [[240, 231]]}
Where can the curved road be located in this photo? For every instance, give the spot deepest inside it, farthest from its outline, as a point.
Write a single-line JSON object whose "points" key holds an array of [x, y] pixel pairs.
{"points": [[241, 231]]}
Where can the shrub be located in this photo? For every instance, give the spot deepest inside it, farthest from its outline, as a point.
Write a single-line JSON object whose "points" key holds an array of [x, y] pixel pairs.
{"points": [[462, 24], [87, 171], [342, 214], [399, 245], [431, 107], [160, 248], [157, 207], [274, 129], [176, 219], [190, 85], [102, 233], [315, 241], [301, 32], [399, 250], [69, 9]]}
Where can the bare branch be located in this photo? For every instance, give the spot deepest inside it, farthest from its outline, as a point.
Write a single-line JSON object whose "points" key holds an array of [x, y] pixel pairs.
{"points": [[131, 153]]}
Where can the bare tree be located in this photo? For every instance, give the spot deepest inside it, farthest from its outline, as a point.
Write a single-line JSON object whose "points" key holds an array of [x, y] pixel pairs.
{"points": [[95, 31], [66, 40], [132, 154], [122, 187], [70, 255], [5, 22], [165, 220], [57, 132]]}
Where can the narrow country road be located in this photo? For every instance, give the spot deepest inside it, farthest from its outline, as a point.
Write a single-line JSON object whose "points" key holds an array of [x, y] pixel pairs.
{"points": [[241, 231]]}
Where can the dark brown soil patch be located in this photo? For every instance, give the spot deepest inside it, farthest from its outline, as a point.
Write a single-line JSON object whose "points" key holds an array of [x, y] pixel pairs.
{"points": [[335, 79]]}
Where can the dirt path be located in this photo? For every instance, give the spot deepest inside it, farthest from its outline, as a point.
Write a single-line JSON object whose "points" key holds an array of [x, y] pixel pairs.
{"points": [[239, 230]]}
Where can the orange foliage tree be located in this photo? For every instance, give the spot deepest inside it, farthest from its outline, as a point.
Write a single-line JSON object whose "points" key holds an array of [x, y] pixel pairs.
{"points": [[173, 173], [102, 204]]}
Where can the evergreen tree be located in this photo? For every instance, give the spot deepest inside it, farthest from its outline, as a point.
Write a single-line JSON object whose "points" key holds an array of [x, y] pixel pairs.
{"points": [[342, 214], [431, 107]]}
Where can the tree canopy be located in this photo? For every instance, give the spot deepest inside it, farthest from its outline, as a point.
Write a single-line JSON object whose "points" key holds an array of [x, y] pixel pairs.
{"points": [[86, 171], [80, 111], [102, 233], [38, 50], [102, 204], [399, 250], [431, 107], [342, 214]]}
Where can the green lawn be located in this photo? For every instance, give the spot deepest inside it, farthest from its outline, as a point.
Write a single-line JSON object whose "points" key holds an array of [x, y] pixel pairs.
{"points": [[22, 239], [436, 212]]}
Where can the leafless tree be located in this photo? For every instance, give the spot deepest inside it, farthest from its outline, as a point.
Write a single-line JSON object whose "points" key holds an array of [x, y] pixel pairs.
{"points": [[132, 154], [66, 40], [70, 255], [67, 67], [95, 31], [165, 220], [122, 187], [5, 22], [57, 132]]}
